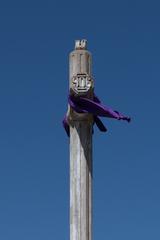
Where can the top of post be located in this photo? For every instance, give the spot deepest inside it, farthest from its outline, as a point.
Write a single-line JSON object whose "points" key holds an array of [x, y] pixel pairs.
{"points": [[81, 44]]}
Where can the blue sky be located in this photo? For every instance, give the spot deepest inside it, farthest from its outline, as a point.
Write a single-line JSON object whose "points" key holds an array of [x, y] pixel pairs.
{"points": [[35, 40]]}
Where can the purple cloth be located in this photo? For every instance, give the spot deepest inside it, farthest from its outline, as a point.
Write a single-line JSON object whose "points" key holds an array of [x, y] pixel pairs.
{"points": [[66, 125], [95, 107]]}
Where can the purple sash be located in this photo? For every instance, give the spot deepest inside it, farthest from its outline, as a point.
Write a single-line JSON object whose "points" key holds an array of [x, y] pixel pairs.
{"points": [[95, 107]]}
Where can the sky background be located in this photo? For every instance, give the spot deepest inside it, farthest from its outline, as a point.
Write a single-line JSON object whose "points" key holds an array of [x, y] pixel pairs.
{"points": [[35, 40]]}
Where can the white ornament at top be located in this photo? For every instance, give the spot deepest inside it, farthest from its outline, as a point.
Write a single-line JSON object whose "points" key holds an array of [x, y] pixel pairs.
{"points": [[81, 44]]}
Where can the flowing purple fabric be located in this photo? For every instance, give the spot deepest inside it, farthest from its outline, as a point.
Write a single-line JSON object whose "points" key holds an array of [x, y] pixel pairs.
{"points": [[95, 107]]}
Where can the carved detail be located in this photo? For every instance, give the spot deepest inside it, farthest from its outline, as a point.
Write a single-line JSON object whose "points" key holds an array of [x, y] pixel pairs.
{"points": [[81, 84], [80, 44]]}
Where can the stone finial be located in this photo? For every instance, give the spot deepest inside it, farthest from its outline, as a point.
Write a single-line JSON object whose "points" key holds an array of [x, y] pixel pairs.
{"points": [[81, 44]]}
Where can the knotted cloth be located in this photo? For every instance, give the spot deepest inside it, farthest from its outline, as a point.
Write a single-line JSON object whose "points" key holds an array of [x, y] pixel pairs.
{"points": [[94, 106]]}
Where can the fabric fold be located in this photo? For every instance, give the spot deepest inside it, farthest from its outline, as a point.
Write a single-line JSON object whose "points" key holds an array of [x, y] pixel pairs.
{"points": [[95, 107]]}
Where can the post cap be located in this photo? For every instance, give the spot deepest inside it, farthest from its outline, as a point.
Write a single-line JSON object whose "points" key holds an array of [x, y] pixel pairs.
{"points": [[81, 44]]}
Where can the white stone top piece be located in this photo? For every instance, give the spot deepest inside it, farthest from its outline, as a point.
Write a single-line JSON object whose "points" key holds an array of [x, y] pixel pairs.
{"points": [[81, 44]]}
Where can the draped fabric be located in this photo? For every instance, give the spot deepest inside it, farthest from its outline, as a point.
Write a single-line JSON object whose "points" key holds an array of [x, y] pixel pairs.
{"points": [[95, 107]]}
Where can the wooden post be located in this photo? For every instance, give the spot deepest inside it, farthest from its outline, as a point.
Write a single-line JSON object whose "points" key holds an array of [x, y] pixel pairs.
{"points": [[81, 84]]}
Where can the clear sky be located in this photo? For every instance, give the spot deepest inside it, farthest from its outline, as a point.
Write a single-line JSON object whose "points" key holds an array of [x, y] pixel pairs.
{"points": [[35, 40]]}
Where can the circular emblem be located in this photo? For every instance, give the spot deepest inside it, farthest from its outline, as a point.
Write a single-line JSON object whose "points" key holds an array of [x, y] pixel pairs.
{"points": [[82, 83]]}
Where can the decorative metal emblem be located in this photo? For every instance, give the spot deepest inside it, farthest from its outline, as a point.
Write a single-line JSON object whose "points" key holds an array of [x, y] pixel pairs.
{"points": [[82, 83]]}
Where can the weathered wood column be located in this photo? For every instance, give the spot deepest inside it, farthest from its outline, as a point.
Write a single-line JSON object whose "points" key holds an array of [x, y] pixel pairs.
{"points": [[81, 84]]}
